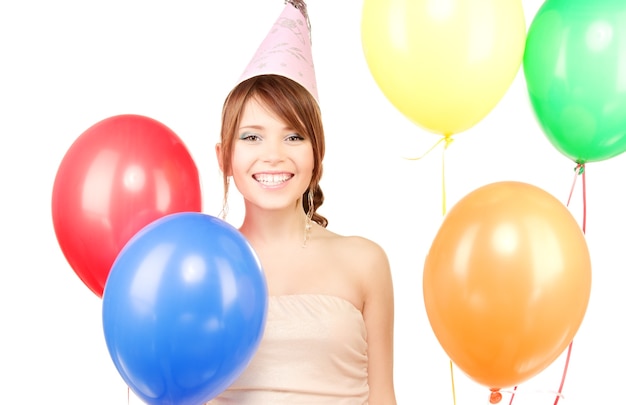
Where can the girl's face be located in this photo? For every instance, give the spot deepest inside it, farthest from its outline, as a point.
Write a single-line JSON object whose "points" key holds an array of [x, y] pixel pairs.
{"points": [[272, 165]]}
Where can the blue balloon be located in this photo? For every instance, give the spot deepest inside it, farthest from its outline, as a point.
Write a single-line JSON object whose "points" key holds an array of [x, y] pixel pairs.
{"points": [[184, 309]]}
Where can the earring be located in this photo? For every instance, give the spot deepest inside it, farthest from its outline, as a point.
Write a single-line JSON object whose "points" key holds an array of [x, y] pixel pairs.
{"points": [[309, 217], [224, 210]]}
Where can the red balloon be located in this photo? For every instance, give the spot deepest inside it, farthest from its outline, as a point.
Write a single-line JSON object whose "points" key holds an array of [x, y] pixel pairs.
{"points": [[118, 176]]}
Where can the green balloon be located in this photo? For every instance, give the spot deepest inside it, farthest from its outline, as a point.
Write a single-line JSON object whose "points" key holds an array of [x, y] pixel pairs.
{"points": [[575, 68]]}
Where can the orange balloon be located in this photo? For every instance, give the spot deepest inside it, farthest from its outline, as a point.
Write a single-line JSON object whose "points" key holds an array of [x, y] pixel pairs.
{"points": [[506, 282]]}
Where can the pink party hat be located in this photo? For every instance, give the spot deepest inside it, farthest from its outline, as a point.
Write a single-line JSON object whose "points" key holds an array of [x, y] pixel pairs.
{"points": [[286, 50]]}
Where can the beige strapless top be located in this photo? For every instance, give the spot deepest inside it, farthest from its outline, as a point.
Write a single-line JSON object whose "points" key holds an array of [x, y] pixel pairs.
{"points": [[313, 351]]}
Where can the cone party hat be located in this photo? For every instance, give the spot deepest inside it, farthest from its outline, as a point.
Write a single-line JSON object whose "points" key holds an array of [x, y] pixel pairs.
{"points": [[286, 50]]}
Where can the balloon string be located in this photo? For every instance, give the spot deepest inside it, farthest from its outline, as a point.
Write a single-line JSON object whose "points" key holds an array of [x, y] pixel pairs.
{"points": [[580, 170], [513, 395], [569, 352], [447, 139], [452, 380], [515, 391]]}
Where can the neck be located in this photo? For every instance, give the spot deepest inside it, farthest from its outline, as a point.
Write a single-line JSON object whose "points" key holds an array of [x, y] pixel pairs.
{"points": [[274, 227]]}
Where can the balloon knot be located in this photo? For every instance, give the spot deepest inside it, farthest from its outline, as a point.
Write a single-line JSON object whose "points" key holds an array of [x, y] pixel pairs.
{"points": [[580, 168], [495, 397]]}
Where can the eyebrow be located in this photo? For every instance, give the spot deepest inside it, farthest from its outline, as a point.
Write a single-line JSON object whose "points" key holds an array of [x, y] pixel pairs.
{"points": [[258, 127], [261, 127]]}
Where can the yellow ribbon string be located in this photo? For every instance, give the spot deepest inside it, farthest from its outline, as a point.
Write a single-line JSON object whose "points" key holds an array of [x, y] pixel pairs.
{"points": [[447, 138], [452, 380]]}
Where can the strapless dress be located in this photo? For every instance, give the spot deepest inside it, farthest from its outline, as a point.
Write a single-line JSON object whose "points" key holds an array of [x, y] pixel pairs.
{"points": [[313, 351]]}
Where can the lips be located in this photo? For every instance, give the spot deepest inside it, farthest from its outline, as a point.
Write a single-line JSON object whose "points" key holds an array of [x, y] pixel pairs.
{"points": [[272, 179]]}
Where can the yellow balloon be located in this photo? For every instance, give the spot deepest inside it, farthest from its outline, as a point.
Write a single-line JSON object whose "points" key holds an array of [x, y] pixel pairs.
{"points": [[444, 64]]}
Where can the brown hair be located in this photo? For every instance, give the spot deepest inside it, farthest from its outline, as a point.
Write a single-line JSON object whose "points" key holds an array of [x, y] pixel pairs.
{"points": [[296, 106]]}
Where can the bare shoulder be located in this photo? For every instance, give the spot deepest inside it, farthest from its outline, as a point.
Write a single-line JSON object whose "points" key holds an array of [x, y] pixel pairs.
{"points": [[360, 254], [354, 245], [363, 249], [351, 267]]}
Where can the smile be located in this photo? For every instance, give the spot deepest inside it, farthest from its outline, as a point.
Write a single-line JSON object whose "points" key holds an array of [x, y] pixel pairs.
{"points": [[272, 179]]}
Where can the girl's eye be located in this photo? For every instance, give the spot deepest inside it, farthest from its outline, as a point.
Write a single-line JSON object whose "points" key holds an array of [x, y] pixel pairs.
{"points": [[249, 137], [295, 137]]}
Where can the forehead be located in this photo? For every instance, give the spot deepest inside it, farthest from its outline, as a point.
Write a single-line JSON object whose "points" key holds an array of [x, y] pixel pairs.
{"points": [[255, 112]]}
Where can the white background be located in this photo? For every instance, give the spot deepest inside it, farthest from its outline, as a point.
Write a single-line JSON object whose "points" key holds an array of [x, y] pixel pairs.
{"points": [[65, 65]]}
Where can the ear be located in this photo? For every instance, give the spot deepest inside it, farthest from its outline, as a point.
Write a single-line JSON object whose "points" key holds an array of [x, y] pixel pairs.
{"points": [[220, 159]]}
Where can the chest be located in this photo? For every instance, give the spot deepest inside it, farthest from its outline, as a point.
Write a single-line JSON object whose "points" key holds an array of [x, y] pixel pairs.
{"points": [[306, 271]]}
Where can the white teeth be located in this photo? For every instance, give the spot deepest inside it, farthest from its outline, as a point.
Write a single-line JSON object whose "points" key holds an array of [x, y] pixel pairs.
{"points": [[272, 179]]}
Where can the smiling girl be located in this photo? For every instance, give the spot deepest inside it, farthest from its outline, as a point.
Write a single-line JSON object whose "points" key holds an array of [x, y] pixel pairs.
{"points": [[329, 332]]}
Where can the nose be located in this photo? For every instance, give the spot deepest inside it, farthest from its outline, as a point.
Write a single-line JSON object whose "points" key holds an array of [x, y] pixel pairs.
{"points": [[273, 151]]}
